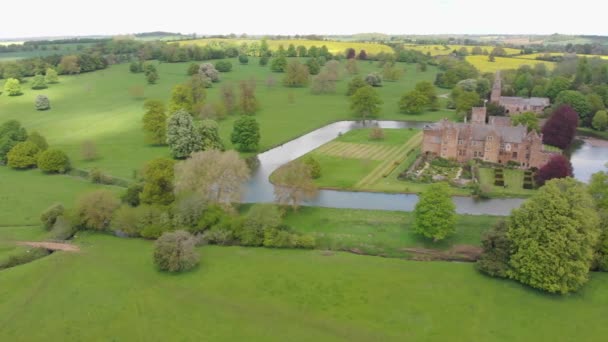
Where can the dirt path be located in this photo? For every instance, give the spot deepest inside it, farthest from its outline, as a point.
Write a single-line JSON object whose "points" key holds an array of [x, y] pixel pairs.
{"points": [[54, 246]]}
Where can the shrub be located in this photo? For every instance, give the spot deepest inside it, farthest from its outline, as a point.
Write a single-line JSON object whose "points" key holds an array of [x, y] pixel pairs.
{"points": [[260, 218], [126, 220], [192, 69], [263, 60], [496, 248], [373, 79], [24, 155], [51, 76], [53, 161], [38, 82], [12, 87], [88, 150], [223, 66], [24, 258], [314, 165], [99, 177], [243, 59], [305, 241], [38, 140], [274, 237], [175, 252], [131, 195], [95, 209], [49, 215]]}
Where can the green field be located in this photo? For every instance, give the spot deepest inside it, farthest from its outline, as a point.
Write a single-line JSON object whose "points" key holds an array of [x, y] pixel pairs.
{"points": [[49, 50], [25, 194], [439, 50], [503, 63], [332, 46], [10, 235], [97, 106], [514, 181], [540, 54], [383, 233], [111, 292]]}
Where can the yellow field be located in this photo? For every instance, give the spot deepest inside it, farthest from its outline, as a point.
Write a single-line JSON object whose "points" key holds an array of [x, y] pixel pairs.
{"points": [[9, 43], [534, 55], [437, 50], [332, 46], [503, 63]]}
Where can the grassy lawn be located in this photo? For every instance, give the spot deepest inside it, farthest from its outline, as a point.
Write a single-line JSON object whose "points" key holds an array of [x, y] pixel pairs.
{"points": [[97, 106], [514, 181], [111, 292], [342, 173], [503, 63], [25, 194], [383, 233]]}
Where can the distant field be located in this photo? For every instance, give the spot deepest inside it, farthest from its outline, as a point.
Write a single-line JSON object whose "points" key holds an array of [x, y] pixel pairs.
{"points": [[10, 43], [503, 63], [437, 50], [540, 54], [332, 46], [49, 50]]}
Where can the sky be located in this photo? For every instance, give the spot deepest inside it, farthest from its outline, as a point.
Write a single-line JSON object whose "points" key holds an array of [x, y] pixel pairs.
{"points": [[36, 18]]}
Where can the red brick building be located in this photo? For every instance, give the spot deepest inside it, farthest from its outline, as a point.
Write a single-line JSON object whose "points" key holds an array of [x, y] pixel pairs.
{"points": [[516, 105]]}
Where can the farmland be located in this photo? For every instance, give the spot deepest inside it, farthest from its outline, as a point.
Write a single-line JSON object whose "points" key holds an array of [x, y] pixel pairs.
{"points": [[273, 45], [439, 50], [503, 63], [44, 50], [536, 55]]}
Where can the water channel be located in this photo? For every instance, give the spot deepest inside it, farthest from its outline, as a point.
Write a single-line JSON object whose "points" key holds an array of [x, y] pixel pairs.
{"points": [[586, 160]]}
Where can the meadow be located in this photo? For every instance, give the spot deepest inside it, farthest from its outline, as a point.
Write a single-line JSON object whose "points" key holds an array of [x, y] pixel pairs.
{"points": [[98, 106], [503, 63], [439, 50], [111, 291], [49, 50], [333, 46]]}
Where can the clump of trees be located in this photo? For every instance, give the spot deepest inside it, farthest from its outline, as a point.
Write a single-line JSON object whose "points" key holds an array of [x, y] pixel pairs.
{"points": [[94, 210], [23, 155], [423, 96], [176, 252], [158, 182], [53, 161], [293, 184], [435, 213]]}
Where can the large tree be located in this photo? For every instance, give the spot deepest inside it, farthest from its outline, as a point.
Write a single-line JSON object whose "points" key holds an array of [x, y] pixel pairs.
{"points": [[293, 183], [210, 136], [11, 133], [600, 120], [94, 210], [158, 175], [24, 155], [155, 122], [413, 102], [183, 137], [246, 134], [215, 175], [560, 128], [176, 252], [355, 84], [598, 188], [557, 167], [553, 236], [435, 213], [296, 74], [528, 119], [248, 103], [181, 98], [365, 103], [578, 102], [12, 87]]}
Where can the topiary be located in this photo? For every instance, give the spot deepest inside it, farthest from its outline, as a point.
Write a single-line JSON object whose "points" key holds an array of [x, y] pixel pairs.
{"points": [[53, 160], [42, 102]]}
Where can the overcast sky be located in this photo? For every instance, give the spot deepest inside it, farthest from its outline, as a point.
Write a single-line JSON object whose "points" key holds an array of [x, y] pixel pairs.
{"points": [[32, 18]]}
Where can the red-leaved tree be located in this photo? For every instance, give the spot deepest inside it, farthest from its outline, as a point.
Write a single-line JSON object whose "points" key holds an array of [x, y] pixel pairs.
{"points": [[560, 129], [362, 55], [350, 53], [557, 167]]}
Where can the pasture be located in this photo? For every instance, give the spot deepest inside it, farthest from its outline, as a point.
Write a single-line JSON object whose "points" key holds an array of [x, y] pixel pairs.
{"points": [[111, 291], [273, 45], [99, 106], [503, 63]]}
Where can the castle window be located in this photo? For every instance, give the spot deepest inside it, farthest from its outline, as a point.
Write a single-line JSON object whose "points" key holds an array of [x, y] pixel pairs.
{"points": [[460, 142], [514, 154], [489, 138], [461, 152]]}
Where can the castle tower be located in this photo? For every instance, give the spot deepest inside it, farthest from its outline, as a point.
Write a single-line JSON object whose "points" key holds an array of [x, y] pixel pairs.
{"points": [[478, 115], [496, 89]]}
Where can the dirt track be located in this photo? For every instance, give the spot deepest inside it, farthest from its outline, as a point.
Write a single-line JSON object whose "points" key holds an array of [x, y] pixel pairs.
{"points": [[54, 246]]}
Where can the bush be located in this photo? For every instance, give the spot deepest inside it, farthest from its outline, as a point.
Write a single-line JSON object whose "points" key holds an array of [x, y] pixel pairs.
{"points": [[315, 167], [223, 66], [305, 241], [175, 252], [373, 79], [243, 59], [192, 69], [50, 215], [62, 229], [377, 134], [12, 87], [24, 155], [95, 209], [24, 258], [53, 161], [496, 251], [263, 60], [99, 177], [131, 195], [127, 220]]}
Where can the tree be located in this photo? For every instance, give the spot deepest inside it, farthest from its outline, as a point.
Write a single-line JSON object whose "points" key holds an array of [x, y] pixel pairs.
{"points": [[494, 260], [131, 195], [428, 89], [302, 51], [155, 123], [12, 87], [24, 155], [181, 99], [365, 102], [216, 176], [293, 184], [362, 55], [69, 65], [88, 150], [53, 161], [354, 85], [183, 137], [176, 252], [51, 76], [208, 71], [598, 188], [243, 59], [314, 165], [278, 64], [223, 66], [350, 53], [192, 69], [38, 140], [248, 103], [323, 83], [352, 67], [152, 77], [95, 209], [553, 235], [560, 128], [210, 136], [228, 97], [600, 120], [556, 86], [391, 73], [528, 119], [313, 66], [376, 133], [412, 102], [158, 175], [38, 82], [296, 74], [50, 215], [246, 134], [11, 133], [197, 86], [373, 79], [263, 61], [578, 102], [465, 101], [557, 167], [42, 102], [435, 213], [291, 51]]}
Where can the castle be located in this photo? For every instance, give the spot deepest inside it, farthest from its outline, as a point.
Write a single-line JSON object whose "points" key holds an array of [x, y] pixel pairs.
{"points": [[491, 139], [516, 105]]}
